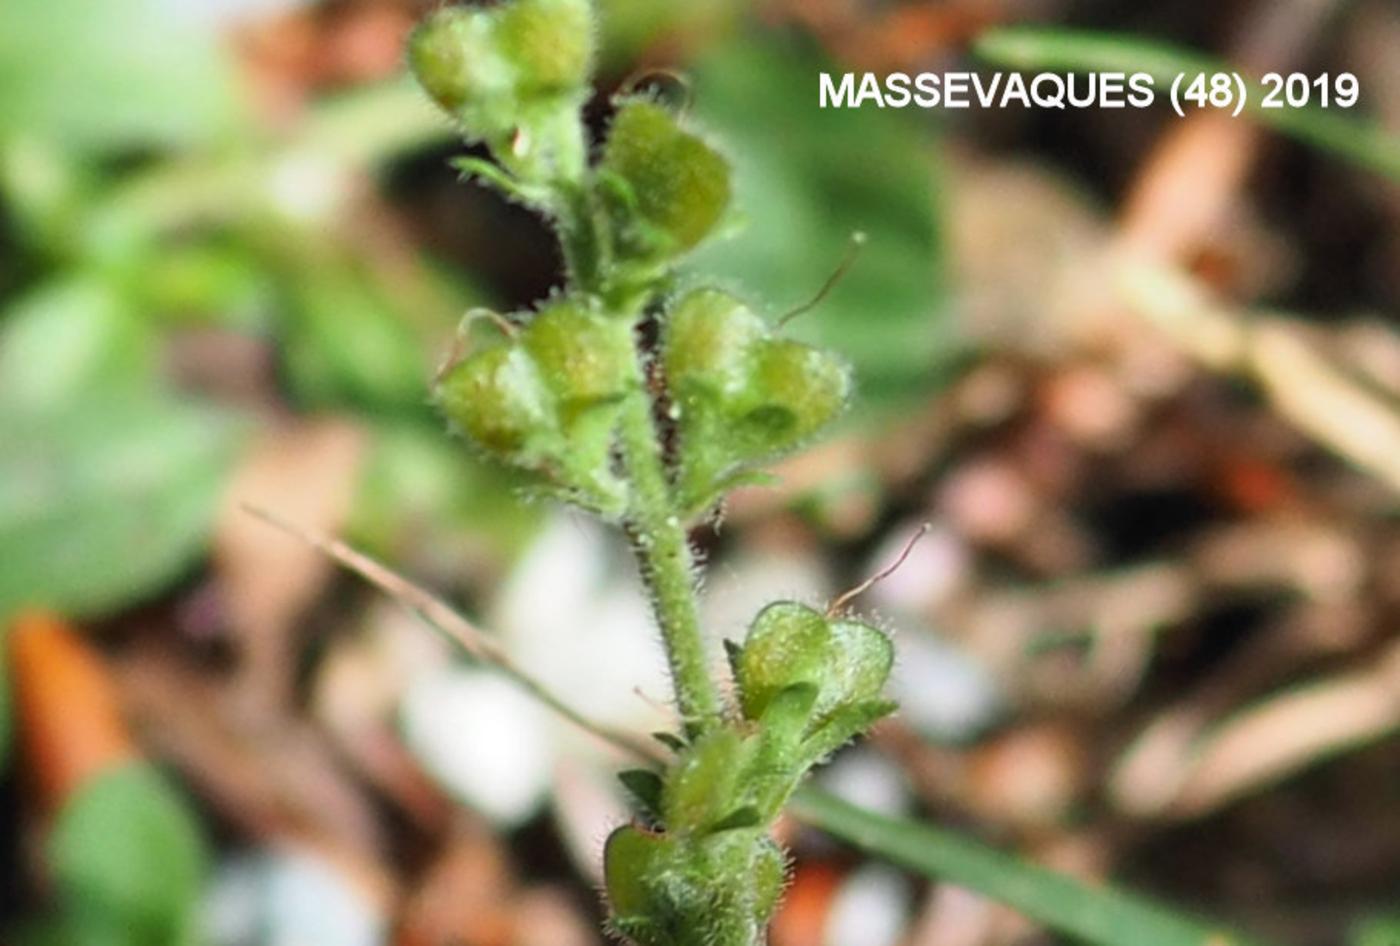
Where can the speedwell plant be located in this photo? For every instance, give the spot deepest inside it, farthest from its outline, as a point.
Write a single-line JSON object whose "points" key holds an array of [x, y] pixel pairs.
{"points": [[650, 437]]}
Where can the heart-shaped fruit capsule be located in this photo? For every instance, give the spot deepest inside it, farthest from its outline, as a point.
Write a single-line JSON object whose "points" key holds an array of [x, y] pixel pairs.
{"points": [[513, 75], [741, 396], [791, 645], [547, 400], [665, 187]]}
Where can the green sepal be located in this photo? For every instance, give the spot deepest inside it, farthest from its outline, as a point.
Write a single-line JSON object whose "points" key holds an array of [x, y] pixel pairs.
{"points": [[670, 741], [471, 168], [702, 786], [645, 787], [843, 725], [746, 816], [739, 395]]}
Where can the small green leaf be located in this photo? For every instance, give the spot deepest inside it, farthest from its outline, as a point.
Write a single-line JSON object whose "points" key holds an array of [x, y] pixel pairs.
{"points": [[1098, 915], [842, 725], [104, 500], [670, 741], [645, 786], [703, 784], [744, 817], [128, 861]]}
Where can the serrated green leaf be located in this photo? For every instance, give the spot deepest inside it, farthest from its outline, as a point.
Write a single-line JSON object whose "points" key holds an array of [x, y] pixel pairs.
{"points": [[104, 500], [128, 861]]}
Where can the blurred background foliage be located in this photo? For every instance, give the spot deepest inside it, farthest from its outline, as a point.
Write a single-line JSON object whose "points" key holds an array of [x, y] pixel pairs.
{"points": [[232, 254]]}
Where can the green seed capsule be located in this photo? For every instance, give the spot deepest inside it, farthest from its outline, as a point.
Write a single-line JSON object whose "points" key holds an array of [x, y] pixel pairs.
{"points": [[811, 384], [585, 357], [710, 337], [498, 399], [676, 186], [790, 644], [550, 43], [456, 58], [741, 396]]}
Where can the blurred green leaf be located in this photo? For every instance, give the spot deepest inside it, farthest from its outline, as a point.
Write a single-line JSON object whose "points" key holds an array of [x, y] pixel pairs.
{"points": [[422, 494], [111, 73], [630, 26], [808, 178], [128, 861], [1043, 48], [106, 498], [1098, 915], [345, 344], [66, 339], [1376, 931]]}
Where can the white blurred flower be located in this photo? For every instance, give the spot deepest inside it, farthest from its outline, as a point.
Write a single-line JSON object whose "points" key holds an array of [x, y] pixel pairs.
{"points": [[572, 615]]}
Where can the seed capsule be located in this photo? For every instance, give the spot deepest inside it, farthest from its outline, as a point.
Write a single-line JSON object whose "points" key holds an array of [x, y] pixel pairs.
{"points": [[744, 396], [675, 186], [498, 399], [790, 644], [457, 60]]}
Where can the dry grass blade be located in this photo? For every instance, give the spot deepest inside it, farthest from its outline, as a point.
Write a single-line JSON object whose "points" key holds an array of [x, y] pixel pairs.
{"points": [[442, 618]]}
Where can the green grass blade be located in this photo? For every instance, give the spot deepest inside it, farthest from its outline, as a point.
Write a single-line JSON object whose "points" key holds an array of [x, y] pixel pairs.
{"points": [[1098, 915], [1362, 142]]}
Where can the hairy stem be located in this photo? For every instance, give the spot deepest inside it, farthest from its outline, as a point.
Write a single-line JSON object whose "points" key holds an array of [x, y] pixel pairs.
{"points": [[653, 523], [667, 565]]}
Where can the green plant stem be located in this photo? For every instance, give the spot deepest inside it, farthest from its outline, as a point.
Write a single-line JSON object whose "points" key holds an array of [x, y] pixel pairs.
{"points": [[653, 523], [667, 564]]}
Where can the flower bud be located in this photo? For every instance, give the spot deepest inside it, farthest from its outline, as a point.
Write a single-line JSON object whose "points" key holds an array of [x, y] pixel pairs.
{"points": [[673, 186]]}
